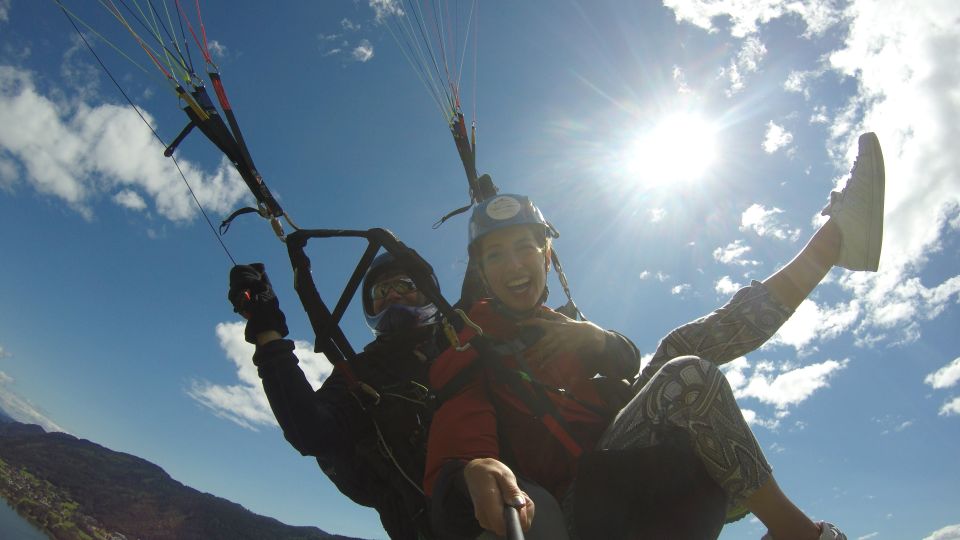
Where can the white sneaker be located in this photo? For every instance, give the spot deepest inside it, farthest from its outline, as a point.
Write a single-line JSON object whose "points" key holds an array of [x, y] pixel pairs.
{"points": [[858, 209], [829, 531]]}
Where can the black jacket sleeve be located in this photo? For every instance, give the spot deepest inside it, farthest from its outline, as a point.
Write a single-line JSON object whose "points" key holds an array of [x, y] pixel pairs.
{"points": [[620, 358], [315, 423]]}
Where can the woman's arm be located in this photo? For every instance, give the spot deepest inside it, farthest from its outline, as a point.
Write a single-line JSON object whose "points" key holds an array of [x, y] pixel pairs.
{"points": [[607, 353]]}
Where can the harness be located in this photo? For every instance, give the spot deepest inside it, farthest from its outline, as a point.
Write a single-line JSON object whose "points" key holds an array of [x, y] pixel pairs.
{"points": [[402, 409], [532, 392]]}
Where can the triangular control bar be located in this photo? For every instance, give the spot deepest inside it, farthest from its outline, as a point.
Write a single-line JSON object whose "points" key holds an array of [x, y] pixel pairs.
{"points": [[330, 339]]}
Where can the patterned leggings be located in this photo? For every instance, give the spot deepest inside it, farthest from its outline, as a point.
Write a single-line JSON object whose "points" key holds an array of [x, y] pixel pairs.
{"points": [[692, 394]]}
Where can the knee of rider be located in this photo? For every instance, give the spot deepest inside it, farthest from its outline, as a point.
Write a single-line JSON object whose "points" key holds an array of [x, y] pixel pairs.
{"points": [[681, 363], [692, 371]]}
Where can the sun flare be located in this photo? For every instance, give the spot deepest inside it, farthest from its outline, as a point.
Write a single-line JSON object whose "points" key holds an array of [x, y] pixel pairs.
{"points": [[679, 148]]}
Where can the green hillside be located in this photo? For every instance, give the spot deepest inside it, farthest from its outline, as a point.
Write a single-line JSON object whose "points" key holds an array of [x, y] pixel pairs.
{"points": [[75, 489]]}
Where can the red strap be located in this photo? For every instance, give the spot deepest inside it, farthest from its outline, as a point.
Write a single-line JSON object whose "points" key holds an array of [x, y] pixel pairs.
{"points": [[562, 435]]}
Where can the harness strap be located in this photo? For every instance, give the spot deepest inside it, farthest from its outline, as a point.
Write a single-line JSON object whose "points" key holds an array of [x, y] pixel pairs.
{"points": [[225, 224], [540, 405], [452, 213], [532, 393], [334, 344]]}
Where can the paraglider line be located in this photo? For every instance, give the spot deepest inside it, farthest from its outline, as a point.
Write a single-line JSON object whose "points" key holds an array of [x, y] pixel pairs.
{"points": [[183, 35], [157, 135], [171, 37], [417, 67], [174, 60], [72, 16], [203, 49], [466, 42], [426, 39]]}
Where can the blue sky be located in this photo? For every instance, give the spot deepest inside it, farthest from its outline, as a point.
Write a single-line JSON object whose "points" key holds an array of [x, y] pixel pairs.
{"points": [[114, 324]]}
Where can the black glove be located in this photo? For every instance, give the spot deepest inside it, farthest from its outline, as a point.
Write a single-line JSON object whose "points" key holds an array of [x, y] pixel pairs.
{"points": [[252, 296]]}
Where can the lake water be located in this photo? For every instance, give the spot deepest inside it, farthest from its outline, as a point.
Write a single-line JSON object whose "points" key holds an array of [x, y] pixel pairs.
{"points": [[14, 527]]}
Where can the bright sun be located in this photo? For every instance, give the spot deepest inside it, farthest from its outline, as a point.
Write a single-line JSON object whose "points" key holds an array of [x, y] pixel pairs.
{"points": [[677, 149]]}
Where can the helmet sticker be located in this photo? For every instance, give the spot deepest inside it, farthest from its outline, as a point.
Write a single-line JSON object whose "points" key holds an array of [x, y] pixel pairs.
{"points": [[504, 207]]}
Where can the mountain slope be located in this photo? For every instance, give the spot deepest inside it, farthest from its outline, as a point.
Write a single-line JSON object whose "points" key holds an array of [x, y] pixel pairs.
{"points": [[55, 474]]}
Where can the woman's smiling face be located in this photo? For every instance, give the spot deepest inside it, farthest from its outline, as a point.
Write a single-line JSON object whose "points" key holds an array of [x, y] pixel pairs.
{"points": [[514, 266]]}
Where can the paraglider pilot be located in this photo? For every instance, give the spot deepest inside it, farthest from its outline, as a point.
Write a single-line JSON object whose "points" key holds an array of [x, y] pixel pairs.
{"points": [[369, 437]]}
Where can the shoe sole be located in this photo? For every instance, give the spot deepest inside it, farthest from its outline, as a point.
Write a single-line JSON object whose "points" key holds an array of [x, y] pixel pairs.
{"points": [[869, 145]]}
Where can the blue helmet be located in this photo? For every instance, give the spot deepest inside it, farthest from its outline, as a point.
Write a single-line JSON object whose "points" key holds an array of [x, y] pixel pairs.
{"points": [[396, 317], [504, 211]]}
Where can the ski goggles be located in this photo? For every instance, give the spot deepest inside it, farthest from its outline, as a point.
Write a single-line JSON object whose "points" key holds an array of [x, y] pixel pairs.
{"points": [[402, 285]]}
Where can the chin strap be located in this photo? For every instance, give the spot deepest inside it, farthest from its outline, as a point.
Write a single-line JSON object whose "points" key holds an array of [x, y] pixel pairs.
{"points": [[569, 309]]}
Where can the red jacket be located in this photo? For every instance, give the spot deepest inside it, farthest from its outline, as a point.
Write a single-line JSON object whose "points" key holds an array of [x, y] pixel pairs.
{"points": [[470, 424]]}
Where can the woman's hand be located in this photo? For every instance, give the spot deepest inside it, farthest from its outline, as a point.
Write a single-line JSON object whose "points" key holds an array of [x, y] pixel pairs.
{"points": [[563, 334], [492, 485]]}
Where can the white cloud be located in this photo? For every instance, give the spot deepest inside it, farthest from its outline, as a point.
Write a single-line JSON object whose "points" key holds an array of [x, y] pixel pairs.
{"points": [[21, 409], [950, 532], [657, 214], [797, 82], [726, 286], [735, 372], [733, 75], [894, 425], [868, 536], [903, 425], [644, 360], [765, 223], [8, 173], [4, 353], [5, 10], [751, 417], [385, 8], [130, 199], [946, 376], [819, 115], [951, 408], [899, 54], [746, 16], [336, 44], [812, 323], [82, 76], [659, 276], [732, 254], [751, 52], [680, 289], [899, 305], [217, 49], [244, 402], [788, 388], [77, 152], [800, 81], [363, 52], [680, 79], [899, 58], [776, 138]]}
